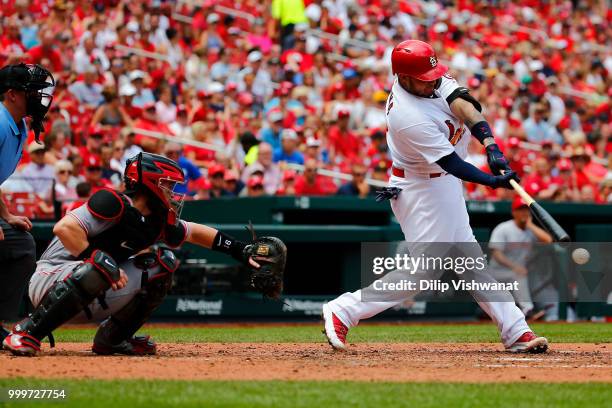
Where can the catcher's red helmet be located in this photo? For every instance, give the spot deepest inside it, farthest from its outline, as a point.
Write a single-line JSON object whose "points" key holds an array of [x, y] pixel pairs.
{"points": [[158, 175], [416, 59]]}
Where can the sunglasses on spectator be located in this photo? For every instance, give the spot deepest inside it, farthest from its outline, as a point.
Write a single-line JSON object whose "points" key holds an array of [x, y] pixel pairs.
{"points": [[119, 149], [359, 174], [94, 168], [173, 152], [257, 187], [63, 172], [96, 136]]}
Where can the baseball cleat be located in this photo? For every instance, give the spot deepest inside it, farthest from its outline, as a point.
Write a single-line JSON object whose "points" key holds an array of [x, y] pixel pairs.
{"points": [[21, 344], [334, 329], [136, 346], [3, 334], [529, 343]]}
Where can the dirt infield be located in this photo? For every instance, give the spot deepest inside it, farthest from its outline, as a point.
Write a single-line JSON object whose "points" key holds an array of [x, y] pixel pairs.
{"points": [[397, 362]]}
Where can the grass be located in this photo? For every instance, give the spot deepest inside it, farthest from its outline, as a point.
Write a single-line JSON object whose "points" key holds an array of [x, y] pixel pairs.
{"points": [[412, 333], [150, 394]]}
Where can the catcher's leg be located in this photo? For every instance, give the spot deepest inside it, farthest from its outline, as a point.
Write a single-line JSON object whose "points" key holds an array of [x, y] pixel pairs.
{"points": [[115, 334], [64, 299]]}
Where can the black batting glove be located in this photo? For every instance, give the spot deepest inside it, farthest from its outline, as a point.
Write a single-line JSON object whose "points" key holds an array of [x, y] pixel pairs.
{"points": [[387, 193], [496, 159], [503, 181]]}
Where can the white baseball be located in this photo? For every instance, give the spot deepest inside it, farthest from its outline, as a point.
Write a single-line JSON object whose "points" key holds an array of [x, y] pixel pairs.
{"points": [[581, 256]]}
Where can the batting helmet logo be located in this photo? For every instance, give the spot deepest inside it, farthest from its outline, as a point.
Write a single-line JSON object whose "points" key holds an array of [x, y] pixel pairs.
{"points": [[433, 61]]}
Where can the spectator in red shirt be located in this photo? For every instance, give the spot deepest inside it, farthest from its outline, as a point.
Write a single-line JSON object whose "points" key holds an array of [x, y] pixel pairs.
{"points": [[10, 41], [568, 190], [345, 145], [202, 132], [541, 183], [311, 183], [93, 174], [297, 58], [516, 157], [93, 144], [287, 187], [351, 83], [580, 159], [46, 50], [148, 121]]}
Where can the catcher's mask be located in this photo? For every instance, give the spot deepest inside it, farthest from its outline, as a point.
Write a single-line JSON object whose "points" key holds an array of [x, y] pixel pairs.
{"points": [[38, 85], [158, 175]]}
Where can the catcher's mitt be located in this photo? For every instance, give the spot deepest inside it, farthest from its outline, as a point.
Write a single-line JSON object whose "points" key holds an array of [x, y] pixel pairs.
{"points": [[271, 254]]}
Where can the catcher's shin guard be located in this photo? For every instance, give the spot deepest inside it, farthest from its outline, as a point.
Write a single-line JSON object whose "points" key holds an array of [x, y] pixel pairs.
{"points": [[66, 298], [115, 334]]}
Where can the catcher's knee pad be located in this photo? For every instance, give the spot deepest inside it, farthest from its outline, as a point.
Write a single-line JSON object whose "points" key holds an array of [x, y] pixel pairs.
{"points": [[66, 298], [155, 285]]}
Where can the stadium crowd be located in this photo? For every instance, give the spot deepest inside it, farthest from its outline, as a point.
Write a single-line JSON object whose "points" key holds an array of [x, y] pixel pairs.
{"points": [[256, 86]]}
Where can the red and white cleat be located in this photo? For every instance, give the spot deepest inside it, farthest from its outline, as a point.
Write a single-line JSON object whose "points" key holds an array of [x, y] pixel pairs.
{"points": [[21, 344], [334, 329], [529, 343]]}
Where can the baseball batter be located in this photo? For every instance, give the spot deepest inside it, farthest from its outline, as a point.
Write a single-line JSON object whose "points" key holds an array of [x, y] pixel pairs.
{"points": [[430, 119], [110, 259]]}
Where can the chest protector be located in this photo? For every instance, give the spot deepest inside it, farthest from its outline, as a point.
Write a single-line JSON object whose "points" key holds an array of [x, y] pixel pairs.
{"points": [[131, 232]]}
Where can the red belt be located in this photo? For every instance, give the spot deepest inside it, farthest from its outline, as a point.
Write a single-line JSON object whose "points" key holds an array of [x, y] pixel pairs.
{"points": [[397, 172]]}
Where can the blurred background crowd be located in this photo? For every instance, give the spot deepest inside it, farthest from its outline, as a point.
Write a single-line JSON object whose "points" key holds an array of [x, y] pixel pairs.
{"points": [[267, 97]]}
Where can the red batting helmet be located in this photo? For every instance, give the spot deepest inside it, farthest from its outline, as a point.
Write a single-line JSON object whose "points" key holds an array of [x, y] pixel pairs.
{"points": [[416, 59], [158, 175]]}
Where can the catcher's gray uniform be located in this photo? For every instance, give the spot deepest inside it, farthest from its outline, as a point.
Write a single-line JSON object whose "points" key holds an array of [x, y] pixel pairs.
{"points": [[56, 263]]}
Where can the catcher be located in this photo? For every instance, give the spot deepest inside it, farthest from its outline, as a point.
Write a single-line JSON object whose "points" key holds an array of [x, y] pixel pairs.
{"points": [[110, 261]]}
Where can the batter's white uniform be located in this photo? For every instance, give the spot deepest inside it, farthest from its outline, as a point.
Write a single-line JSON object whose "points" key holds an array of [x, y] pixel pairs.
{"points": [[429, 209]]}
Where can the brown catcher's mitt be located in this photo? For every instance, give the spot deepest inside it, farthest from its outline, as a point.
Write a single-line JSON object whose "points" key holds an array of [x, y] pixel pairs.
{"points": [[271, 254]]}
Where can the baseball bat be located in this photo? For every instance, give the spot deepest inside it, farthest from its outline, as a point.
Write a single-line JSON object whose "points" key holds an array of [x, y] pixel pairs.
{"points": [[540, 214]]}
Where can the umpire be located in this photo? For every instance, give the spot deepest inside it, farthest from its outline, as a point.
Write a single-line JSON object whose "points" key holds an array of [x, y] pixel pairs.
{"points": [[25, 91]]}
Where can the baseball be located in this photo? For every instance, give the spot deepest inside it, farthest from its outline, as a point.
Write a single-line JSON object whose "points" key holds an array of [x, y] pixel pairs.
{"points": [[581, 256]]}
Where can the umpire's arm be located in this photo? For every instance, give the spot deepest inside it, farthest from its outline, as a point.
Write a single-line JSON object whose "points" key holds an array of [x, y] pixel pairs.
{"points": [[17, 221]]}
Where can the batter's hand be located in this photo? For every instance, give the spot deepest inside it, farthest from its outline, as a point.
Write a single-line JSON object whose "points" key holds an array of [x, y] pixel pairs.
{"points": [[496, 159], [19, 222], [123, 280], [504, 180]]}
